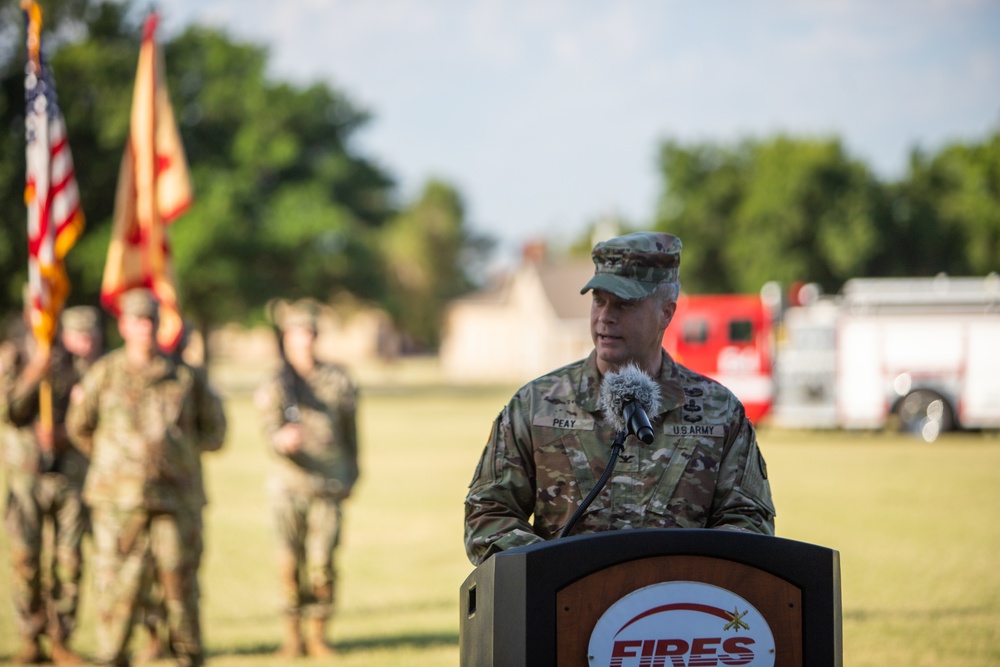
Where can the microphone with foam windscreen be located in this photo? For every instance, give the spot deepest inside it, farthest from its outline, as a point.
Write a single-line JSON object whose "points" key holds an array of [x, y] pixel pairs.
{"points": [[628, 397]]}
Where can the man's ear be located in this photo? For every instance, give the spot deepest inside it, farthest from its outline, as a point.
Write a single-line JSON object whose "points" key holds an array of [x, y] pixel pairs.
{"points": [[669, 308]]}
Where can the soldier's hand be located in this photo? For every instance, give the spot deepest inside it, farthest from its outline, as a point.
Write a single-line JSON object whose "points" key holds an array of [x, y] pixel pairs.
{"points": [[44, 436], [288, 439], [37, 366]]}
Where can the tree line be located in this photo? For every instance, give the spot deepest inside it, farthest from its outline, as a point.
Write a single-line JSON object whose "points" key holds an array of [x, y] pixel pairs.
{"points": [[286, 205], [792, 209]]}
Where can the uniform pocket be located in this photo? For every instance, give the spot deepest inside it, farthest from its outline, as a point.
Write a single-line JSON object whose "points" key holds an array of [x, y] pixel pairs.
{"points": [[563, 478], [683, 495]]}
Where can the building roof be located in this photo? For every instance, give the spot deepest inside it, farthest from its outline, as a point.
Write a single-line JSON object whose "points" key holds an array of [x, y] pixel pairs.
{"points": [[562, 283]]}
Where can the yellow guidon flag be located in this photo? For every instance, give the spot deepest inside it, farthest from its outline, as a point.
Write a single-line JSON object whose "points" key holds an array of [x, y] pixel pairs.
{"points": [[154, 188]]}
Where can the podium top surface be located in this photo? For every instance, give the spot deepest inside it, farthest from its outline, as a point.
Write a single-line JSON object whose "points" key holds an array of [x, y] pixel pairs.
{"points": [[569, 558]]}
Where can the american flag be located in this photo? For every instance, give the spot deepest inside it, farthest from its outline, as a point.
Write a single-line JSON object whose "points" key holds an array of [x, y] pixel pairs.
{"points": [[55, 219]]}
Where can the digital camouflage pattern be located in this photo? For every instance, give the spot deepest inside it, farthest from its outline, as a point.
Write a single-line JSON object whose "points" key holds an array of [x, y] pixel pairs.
{"points": [[145, 432], [126, 542], [19, 403], [80, 318], [308, 530], [633, 266], [550, 445], [327, 465], [37, 496], [306, 488]]}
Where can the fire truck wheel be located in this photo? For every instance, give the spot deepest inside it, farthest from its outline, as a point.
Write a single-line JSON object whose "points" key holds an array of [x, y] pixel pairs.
{"points": [[925, 414]]}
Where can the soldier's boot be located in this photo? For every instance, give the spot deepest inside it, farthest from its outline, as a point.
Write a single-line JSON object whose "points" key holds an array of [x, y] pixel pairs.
{"points": [[153, 650], [30, 654], [291, 643], [316, 645], [62, 655]]}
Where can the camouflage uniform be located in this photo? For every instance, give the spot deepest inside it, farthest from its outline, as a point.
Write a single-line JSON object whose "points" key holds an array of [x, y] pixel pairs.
{"points": [[41, 491], [145, 431], [306, 488], [551, 443]]}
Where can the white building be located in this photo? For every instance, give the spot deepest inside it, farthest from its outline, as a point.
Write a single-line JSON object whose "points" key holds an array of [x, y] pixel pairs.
{"points": [[533, 321]]}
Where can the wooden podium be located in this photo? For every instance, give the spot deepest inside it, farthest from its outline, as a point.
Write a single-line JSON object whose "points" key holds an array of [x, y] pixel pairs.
{"points": [[627, 598]]}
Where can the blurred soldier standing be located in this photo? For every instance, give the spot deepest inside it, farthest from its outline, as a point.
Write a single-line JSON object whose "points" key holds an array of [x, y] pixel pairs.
{"points": [[309, 417], [144, 420], [45, 475]]}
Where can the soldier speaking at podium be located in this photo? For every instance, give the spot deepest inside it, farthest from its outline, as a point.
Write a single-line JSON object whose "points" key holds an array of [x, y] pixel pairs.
{"points": [[549, 445]]}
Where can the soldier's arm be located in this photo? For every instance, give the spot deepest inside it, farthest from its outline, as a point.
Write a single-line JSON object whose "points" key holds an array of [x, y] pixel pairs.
{"points": [[8, 376], [501, 496], [742, 494], [349, 419], [21, 384], [270, 408], [211, 415], [84, 404]]}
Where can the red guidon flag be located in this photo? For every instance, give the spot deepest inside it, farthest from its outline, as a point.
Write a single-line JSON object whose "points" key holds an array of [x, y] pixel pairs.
{"points": [[154, 188], [55, 219]]}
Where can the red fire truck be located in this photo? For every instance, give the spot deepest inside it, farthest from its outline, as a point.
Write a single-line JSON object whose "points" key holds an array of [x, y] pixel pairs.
{"points": [[920, 351], [728, 338]]}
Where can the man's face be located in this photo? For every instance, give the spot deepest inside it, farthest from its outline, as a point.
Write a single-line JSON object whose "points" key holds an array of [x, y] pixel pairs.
{"points": [[628, 331], [299, 341], [80, 343], [139, 332]]}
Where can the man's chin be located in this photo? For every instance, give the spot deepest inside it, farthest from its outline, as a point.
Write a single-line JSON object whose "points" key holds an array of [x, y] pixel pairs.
{"points": [[611, 357]]}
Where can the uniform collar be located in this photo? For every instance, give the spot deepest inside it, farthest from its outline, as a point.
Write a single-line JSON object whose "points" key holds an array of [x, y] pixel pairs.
{"points": [[158, 368], [589, 387]]}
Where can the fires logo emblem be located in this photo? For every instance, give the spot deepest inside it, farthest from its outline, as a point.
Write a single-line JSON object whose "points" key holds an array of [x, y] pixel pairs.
{"points": [[736, 623]]}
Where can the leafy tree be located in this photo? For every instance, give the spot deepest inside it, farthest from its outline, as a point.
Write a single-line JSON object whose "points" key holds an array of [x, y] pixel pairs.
{"points": [[779, 209], [950, 208], [704, 185], [282, 205], [429, 250], [809, 210]]}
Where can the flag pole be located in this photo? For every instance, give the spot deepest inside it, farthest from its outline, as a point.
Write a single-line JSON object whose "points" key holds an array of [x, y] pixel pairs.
{"points": [[55, 218], [43, 346], [46, 422]]}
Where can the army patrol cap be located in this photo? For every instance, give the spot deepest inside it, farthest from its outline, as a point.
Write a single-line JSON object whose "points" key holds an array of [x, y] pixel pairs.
{"points": [[302, 314], [84, 319], [632, 266], [139, 302]]}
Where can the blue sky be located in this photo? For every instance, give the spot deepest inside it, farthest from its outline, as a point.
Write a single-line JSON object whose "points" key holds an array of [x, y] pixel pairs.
{"points": [[548, 114]]}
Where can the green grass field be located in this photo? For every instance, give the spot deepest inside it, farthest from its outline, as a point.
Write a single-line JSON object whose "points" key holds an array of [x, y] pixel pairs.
{"points": [[915, 524]]}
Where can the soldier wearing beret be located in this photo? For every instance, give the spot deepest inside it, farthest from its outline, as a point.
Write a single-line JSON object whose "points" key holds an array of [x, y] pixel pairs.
{"points": [[308, 411], [550, 444], [144, 420], [45, 475]]}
